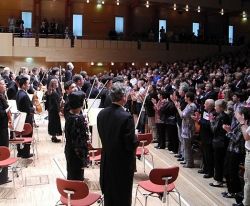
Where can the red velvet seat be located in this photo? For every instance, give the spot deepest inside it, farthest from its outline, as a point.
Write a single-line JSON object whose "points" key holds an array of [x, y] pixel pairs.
{"points": [[160, 183], [76, 193], [141, 151]]}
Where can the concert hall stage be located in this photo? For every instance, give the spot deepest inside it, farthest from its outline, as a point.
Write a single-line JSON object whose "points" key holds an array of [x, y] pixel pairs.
{"points": [[39, 185]]}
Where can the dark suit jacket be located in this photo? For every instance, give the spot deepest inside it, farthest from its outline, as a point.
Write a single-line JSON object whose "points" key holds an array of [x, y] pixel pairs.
{"points": [[86, 85], [105, 98], [68, 75], [239, 86], [34, 82], [25, 105], [117, 132], [219, 134], [12, 91], [206, 133], [209, 95]]}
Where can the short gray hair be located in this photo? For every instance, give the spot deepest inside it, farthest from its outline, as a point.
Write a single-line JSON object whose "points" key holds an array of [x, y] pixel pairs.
{"points": [[118, 91], [221, 103], [210, 102], [184, 87]]}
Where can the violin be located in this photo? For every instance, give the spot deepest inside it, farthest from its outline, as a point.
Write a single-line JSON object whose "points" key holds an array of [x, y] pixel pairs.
{"points": [[37, 104]]}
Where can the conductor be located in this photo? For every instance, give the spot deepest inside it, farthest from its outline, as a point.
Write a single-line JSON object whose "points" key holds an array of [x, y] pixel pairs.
{"points": [[118, 149]]}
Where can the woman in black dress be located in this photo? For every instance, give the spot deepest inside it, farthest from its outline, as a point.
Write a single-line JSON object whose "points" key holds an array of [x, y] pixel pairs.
{"points": [[76, 134], [53, 105]]}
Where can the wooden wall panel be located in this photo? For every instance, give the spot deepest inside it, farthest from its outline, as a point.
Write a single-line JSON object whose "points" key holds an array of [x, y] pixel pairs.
{"points": [[242, 28], [13, 8], [6, 44], [53, 10], [97, 23]]}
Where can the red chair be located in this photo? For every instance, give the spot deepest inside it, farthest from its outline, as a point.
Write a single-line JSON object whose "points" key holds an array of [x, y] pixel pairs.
{"points": [[23, 138], [161, 182], [7, 161], [142, 151], [94, 155], [76, 193]]}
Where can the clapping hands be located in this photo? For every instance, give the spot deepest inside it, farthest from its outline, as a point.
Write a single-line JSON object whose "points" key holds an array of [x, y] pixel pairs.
{"points": [[227, 128]]}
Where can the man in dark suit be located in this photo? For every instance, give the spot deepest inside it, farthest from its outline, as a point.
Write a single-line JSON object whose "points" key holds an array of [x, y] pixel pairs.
{"points": [[86, 84], [79, 81], [5, 75], [68, 72], [239, 85], [13, 88], [25, 105], [34, 79], [105, 93], [209, 93], [118, 149], [206, 139]]}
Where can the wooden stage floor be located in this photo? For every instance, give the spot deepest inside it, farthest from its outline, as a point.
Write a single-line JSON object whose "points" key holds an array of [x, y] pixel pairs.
{"points": [[39, 188]]}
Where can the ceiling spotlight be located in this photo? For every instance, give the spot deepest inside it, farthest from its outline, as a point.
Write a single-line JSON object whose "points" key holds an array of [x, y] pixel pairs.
{"points": [[92, 63], [133, 64], [175, 7], [103, 2], [222, 12], [147, 4], [117, 3], [146, 64], [87, 1], [244, 16], [112, 63], [199, 9], [186, 8]]}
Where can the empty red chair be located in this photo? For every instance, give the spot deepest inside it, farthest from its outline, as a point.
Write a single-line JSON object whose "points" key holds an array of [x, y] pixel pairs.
{"points": [[76, 193], [160, 183], [94, 155], [7, 161], [25, 137], [142, 150]]}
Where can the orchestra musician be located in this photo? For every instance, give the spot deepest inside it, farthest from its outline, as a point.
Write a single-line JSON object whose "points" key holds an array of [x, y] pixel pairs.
{"points": [[53, 101], [118, 152], [76, 134], [34, 79], [4, 121], [105, 93], [69, 87], [24, 104], [13, 88], [68, 72]]}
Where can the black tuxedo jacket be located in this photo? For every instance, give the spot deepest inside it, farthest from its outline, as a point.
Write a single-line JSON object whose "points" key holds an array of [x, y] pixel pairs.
{"points": [[25, 105]]}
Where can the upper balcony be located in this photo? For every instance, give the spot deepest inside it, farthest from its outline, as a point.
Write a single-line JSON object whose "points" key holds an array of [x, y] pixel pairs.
{"points": [[80, 50]]}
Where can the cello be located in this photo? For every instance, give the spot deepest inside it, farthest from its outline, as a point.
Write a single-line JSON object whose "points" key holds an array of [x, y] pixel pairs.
{"points": [[37, 104]]}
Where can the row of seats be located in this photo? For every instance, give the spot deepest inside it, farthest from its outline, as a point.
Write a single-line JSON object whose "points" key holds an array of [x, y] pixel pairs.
{"points": [[160, 182]]}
